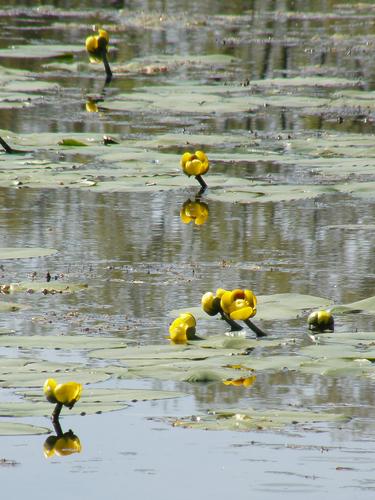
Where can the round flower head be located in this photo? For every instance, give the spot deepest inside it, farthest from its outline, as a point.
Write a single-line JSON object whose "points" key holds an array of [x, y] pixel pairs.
{"points": [[66, 394], [211, 304], [194, 163], [196, 211], [182, 328], [97, 45], [320, 321], [239, 304]]}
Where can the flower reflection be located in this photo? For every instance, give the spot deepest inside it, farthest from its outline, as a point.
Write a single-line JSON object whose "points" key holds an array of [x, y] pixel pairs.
{"points": [[62, 444], [91, 106], [241, 382], [196, 211]]}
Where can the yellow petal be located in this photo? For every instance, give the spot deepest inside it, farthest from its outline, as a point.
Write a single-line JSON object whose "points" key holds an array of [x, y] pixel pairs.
{"points": [[242, 314], [49, 390], [204, 161], [91, 43], [192, 167], [189, 319], [226, 301], [69, 393], [185, 158], [220, 292], [251, 298]]}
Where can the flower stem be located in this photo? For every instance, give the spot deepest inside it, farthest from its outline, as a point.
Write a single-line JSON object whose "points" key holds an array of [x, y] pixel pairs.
{"points": [[235, 327], [56, 412], [258, 331], [202, 183], [6, 146], [106, 67]]}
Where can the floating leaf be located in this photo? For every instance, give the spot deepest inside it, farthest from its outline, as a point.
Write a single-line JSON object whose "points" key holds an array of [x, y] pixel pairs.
{"points": [[249, 419], [81, 342], [25, 253], [19, 429], [44, 287], [71, 143]]}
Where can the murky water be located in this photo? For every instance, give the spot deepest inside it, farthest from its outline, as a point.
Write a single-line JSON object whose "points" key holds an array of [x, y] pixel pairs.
{"points": [[140, 261]]}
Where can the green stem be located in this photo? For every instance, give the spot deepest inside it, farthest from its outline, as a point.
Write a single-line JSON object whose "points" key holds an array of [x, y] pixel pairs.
{"points": [[57, 427], [106, 67], [56, 412], [258, 331], [202, 183], [6, 146], [235, 327]]}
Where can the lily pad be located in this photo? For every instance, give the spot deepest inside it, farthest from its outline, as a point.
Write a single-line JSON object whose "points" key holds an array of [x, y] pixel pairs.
{"points": [[39, 51], [25, 253], [45, 287], [19, 429], [252, 420], [80, 342]]}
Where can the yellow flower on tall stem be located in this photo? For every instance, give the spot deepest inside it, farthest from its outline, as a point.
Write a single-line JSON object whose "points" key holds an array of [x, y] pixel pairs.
{"points": [[196, 164], [97, 48], [183, 329], [66, 394]]}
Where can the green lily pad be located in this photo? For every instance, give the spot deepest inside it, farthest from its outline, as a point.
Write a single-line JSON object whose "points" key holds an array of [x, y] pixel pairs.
{"points": [[251, 420], [365, 305], [34, 51], [10, 307], [25, 253], [80, 342], [72, 143], [45, 287], [19, 429]]}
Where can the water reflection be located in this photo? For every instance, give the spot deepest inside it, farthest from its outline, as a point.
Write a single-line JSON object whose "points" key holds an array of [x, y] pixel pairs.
{"points": [[62, 444], [194, 211]]}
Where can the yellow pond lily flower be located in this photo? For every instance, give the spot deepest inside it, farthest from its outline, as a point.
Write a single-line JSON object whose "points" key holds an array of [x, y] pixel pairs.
{"points": [[196, 211], [239, 304], [97, 45], [66, 394], [64, 445], [182, 328], [194, 163], [320, 321]]}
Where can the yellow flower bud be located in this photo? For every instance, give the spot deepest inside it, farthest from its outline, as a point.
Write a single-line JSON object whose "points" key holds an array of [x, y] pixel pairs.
{"points": [[211, 304], [320, 321], [182, 329], [67, 394], [194, 163]]}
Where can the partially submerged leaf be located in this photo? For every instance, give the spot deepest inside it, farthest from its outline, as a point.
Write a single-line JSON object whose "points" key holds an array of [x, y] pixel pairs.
{"points": [[25, 253]]}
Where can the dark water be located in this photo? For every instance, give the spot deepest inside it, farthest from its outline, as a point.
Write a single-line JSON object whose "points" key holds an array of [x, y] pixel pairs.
{"points": [[141, 262]]}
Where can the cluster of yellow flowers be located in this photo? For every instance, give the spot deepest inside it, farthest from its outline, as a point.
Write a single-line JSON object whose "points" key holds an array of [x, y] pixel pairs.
{"points": [[231, 304], [237, 304]]}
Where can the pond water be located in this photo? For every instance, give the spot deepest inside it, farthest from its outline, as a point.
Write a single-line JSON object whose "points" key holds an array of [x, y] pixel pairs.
{"points": [[279, 95]]}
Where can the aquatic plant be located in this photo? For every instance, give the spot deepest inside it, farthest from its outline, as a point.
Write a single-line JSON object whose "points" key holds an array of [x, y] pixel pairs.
{"points": [[183, 329], [196, 164], [321, 321], [196, 211], [232, 305], [97, 48], [66, 394]]}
